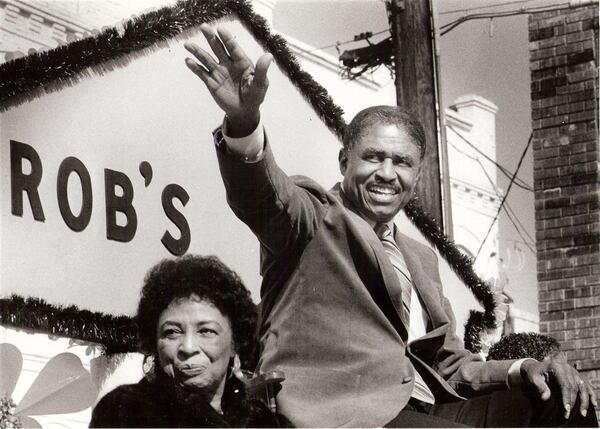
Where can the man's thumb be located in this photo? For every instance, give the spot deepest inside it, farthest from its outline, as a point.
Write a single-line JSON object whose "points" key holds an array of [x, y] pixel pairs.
{"points": [[542, 387]]}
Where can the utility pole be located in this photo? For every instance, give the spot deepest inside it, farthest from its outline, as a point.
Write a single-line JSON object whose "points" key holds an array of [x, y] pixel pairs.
{"points": [[412, 37]]}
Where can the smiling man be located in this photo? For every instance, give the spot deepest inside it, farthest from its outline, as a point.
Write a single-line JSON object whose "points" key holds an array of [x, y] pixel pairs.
{"points": [[381, 161], [352, 310]]}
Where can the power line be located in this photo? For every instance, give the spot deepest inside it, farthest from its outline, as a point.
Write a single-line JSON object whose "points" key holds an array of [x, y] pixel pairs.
{"points": [[531, 239], [522, 11], [510, 240], [512, 180], [512, 217], [448, 12], [519, 182], [336, 44], [507, 208]]}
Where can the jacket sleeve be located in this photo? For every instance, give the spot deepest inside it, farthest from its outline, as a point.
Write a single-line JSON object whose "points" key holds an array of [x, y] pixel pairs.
{"points": [[281, 214], [466, 372]]}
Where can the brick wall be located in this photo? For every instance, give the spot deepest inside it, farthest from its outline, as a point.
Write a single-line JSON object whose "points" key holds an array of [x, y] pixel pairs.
{"points": [[564, 99]]}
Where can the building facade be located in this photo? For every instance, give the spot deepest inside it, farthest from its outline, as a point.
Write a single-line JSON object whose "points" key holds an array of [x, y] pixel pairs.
{"points": [[564, 100]]}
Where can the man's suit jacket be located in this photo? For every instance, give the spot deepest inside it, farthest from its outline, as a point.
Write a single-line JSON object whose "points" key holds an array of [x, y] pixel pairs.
{"points": [[327, 319]]}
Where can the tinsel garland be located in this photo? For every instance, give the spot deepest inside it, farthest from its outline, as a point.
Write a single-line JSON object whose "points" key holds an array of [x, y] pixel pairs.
{"points": [[463, 267], [29, 77], [524, 344], [116, 333]]}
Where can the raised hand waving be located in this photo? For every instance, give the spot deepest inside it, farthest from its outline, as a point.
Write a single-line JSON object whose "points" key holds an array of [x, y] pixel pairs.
{"points": [[236, 84]]}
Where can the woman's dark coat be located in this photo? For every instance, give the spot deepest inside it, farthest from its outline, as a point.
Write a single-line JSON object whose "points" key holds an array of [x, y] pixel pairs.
{"points": [[158, 402]]}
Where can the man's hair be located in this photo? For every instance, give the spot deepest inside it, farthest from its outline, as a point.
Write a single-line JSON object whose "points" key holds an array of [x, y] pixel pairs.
{"points": [[210, 280], [384, 115]]}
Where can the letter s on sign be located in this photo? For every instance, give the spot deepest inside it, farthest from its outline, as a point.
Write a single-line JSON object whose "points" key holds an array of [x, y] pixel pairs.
{"points": [[180, 246]]}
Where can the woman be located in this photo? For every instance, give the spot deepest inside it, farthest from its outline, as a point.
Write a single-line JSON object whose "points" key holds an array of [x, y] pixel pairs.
{"points": [[195, 319]]}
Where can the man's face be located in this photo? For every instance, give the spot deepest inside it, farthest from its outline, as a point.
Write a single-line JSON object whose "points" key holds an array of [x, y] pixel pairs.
{"points": [[381, 172]]}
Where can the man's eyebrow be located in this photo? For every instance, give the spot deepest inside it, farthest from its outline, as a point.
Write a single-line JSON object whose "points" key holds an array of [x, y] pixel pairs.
{"points": [[403, 157], [372, 151]]}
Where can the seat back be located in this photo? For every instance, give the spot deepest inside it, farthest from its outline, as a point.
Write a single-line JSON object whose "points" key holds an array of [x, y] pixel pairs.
{"points": [[264, 387]]}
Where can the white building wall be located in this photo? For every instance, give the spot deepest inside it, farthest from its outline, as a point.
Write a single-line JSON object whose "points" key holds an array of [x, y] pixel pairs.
{"points": [[476, 198]]}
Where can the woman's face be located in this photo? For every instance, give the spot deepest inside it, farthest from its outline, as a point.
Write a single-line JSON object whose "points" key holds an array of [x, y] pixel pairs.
{"points": [[195, 344]]}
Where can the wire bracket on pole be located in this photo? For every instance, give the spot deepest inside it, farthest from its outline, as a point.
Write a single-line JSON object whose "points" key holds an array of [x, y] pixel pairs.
{"points": [[399, 4]]}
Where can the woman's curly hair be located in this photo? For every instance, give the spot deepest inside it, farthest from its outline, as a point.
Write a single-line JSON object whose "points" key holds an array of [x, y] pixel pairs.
{"points": [[209, 279]]}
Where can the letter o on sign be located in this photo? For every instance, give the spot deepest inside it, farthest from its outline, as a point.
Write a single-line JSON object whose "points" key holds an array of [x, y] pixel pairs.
{"points": [[68, 166]]}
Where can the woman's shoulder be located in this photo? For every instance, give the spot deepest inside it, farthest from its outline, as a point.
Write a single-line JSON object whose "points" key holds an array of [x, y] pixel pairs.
{"points": [[124, 405], [129, 392]]}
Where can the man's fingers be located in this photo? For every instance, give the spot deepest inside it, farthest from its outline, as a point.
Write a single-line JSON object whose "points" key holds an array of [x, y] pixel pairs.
{"points": [[568, 391], [201, 55], [568, 382], [197, 69], [539, 381], [215, 43], [260, 73], [584, 397], [201, 72], [235, 52]]}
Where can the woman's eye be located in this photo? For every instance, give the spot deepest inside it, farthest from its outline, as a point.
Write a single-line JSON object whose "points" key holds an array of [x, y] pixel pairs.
{"points": [[170, 333], [206, 332]]}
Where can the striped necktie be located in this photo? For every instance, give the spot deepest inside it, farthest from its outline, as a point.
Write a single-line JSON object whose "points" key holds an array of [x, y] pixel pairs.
{"points": [[421, 391], [387, 239]]}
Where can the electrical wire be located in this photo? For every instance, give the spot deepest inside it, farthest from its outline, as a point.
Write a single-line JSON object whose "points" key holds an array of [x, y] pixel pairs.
{"points": [[512, 217], [531, 239], [511, 240], [512, 180], [448, 12], [519, 182], [333, 45], [522, 11], [508, 210]]}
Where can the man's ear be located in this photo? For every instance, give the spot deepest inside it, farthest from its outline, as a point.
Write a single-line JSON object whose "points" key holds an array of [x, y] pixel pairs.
{"points": [[343, 160], [417, 180]]}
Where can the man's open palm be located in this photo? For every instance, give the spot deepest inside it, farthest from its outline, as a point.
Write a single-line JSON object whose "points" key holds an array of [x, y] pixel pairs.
{"points": [[236, 85]]}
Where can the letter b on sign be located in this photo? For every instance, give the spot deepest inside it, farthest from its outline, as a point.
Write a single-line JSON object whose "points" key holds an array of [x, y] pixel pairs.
{"points": [[122, 204]]}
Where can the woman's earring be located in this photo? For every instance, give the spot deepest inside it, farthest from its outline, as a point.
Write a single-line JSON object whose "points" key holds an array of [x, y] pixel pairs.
{"points": [[236, 369], [148, 367]]}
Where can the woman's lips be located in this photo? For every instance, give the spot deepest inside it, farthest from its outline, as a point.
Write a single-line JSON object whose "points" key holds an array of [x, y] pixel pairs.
{"points": [[192, 370]]}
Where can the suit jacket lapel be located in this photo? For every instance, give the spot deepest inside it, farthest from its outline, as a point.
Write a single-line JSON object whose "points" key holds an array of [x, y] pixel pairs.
{"points": [[389, 278], [427, 292]]}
